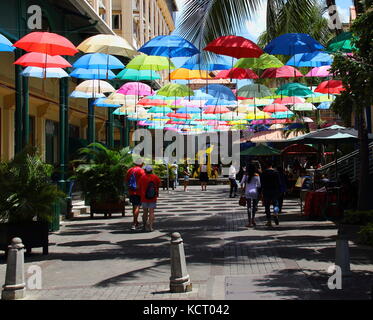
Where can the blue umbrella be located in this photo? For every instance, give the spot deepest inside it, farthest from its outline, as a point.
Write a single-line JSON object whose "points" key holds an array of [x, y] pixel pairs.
{"points": [[282, 115], [293, 43], [189, 110], [200, 95], [42, 73], [324, 105], [314, 59], [100, 103], [196, 63], [92, 74], [220, 102], [83, 95], [170, 46], [219, 91], [98, 61], [5, 44]]}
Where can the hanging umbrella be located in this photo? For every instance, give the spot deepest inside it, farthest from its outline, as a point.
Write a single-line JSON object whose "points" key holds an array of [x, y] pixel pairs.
{"points": [[197, 62], [322, 71], [294, 89], [189, 110], [117, 98], [109, 44], [187, 74], [330, 86], [260, 150], [95, 87], [46, 42], [258, 115], [135, 88], [174, 89], [137, 75], [98, 61], [81, 73], [282, 115], [36, 72], [219, 91], [307, 120], [42, 60], [179, 115], [6, 45], [310, 59], [237, 73], [152, 102], [200, 95], [258, 102], [85, 95], [254, 91], [321, 98], [275, 108], [100, 102], [289, 100], [303, 107], [324, 105], [246, 109], [216, 109], [293, 43], [263, 62], [163, 110], [282, 72], [154, 63], [234, 46], [341, 43], [221, 102]]}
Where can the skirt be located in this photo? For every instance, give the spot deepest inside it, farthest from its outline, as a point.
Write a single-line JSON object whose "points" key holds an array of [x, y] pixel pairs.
{"points": [[203, 177]]}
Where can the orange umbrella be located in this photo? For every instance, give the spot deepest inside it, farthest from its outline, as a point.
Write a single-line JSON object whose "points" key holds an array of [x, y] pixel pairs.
{"points": [[186, 74]]}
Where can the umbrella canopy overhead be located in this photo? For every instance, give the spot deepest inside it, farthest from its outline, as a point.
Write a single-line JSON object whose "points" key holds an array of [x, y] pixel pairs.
{"points": [[313, 59], [324, 105], [197, 63], [109, 44], [254, 91], [275, 108], [341, 43], [98, 61], [144, 62], [265, 61], [187, 74], [46, 42], [330, 86], [234, 46], [137, 75], [219, 91], [42, 60], [85, 95], [293, 43], [237, 73], [282, 72], [100, 102], [294, 89], [35, 72], [261, 150], [321, 98], [95, 87], [136, 89], [81, 73], [303, 107], [289, 100], [170, 46], [298, 149], [175, 90], [6, 45], [322, 71]]}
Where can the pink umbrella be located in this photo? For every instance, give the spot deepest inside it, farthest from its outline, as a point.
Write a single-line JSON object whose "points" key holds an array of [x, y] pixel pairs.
{"points": [[152, 102], [217, 123], [275, 108], [189, 104], [136, 88], [282, 72], [237, 73], [322, 71], [289, 100], [216, 109], [179, 115]]}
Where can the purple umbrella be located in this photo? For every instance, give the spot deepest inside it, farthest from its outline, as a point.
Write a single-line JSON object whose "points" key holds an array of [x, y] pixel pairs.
{"points": [[136, 88], [319, 72]]}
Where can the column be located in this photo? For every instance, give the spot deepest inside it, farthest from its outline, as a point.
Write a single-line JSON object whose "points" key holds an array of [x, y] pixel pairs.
{"points": [[127, 20], [25, 112], [110, 128], [142, 35], [40, 128], [91, 121], [147, 18], [18, 110], [156, 23], [152, 19], [67, 127], [160, 30], [108, 12], [61, 136], [7, 125]]}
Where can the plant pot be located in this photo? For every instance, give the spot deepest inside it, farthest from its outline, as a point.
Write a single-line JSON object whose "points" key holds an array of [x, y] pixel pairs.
{"points": [[107, 208], [33, 234]]}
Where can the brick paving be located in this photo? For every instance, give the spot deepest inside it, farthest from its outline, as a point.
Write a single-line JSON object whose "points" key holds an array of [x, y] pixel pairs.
{"points": [[101, 259]]}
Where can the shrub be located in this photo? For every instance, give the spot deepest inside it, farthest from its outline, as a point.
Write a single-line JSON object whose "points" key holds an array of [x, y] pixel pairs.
{"points": [[366, 234], [358, 217]]}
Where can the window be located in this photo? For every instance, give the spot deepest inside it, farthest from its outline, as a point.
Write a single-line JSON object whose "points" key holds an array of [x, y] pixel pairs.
{"points": [[116, 21]]}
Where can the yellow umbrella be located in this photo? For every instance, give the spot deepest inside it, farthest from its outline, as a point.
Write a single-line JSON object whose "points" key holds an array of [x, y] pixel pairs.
{"points": [[109, 44], [258, 115], [186, 74], [94, 87], [258, 102], [319, 99], [236, 122], [247, 109]]}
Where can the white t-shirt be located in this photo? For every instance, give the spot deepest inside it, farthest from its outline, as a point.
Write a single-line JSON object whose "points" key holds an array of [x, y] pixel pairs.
{"points": [[203, 168], [232, 172], [251, 190]]}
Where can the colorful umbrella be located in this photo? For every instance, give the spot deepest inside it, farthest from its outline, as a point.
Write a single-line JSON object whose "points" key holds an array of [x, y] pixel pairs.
{"points": [[187, 74], [135, 88], [275, 108], [174, 89], [341, 43], [289, 100], [257, 102], [6, 45], [42, 60], [282, 72], [36, 72], [324, 105], [254, 91], [330, 86], [219, 91], [81, 73], [294, 89], [321, 98], [46, 42], [98, 61], [109, 44], [216, 109], [234, 46], [152, 102], [263, 62], [282, 115], [322, 71], [310, 59], [260, 150], [95, 87], [237, 73], [117, 98], [197, 63], [84, 95], [100, 102], [137, 75], [303, 107], [145, 62]]}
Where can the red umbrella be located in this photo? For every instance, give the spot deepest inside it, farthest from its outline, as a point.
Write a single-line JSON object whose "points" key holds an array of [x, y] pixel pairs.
{"points": [[330, 87], [289, 100], [42, 60], [275, 108], [46, 42], [234, 46], [152, 102], [282, 72], [179, 115], [237, 73], [216, 109]]}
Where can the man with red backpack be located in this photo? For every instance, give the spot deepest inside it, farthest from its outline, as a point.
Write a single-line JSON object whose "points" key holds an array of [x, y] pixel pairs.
{"points": [[133, 184], [149, 190]]}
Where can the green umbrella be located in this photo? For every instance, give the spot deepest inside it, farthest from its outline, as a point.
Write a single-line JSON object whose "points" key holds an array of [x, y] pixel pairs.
{"points": [[294, 89], [260, 150], [155, 63], [341, 43], [137, 75], [263, 62], [175, 89], [254, 91]]}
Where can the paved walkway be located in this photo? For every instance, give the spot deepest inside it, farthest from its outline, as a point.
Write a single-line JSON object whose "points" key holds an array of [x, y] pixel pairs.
{"points": [[102, 259]]}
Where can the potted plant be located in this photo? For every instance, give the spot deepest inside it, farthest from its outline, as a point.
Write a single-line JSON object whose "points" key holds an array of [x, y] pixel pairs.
{"points": [[27, 200], [100, 174]]}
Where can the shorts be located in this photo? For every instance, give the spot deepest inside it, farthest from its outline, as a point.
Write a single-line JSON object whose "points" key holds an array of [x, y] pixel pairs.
{"points": [[135, 200], [186, 178], [203, 177], [149, 205]]}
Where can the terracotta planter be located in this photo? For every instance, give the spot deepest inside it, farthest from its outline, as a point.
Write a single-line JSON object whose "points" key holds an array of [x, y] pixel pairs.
{"points": [[107, 208]]}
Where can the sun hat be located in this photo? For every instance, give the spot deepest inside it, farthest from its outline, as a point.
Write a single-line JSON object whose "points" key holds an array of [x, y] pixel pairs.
{"points": [[138, 161], [148, 168]]}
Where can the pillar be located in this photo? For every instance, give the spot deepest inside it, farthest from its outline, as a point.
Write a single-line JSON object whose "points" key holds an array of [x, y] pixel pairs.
{"points": [[19, 106], [67, 127], [108, 12], [127, 20], [110, 128], [147, 20], [152, 19], [61, 136], [91, 121], [142, 28]]}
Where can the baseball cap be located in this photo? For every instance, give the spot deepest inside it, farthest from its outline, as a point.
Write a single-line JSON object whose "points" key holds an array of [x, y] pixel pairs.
{"points": [[148, 168], [138, 161]]}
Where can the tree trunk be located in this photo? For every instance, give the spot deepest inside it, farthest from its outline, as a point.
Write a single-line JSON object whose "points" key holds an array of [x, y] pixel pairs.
{"points": [[364, 195]]}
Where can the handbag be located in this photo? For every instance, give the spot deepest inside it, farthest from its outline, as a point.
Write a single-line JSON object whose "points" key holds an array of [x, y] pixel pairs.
{"points": [[242, 201]]}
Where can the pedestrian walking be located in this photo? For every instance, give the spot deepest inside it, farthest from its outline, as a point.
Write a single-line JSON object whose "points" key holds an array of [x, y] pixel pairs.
{"points": [[271, 191], [250, 187], [283, 187], [174, 169], [186, 174], [232, 180], [203, 177], [132, 179], [149, 190]]}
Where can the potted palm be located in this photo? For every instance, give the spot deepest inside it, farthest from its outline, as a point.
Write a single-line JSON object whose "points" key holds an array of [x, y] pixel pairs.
{"points": [[27, 200], [100, 174]]}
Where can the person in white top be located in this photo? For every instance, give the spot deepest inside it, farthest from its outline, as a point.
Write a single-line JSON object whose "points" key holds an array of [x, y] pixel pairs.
{"points": [[250, 185], [232, 181]]}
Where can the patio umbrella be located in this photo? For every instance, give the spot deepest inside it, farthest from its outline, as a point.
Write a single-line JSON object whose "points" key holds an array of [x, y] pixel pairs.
{"points": [[81, 73], [109, 44], [98, 61], [45, 42], [237, 73], [282, 115], [322, 71], [117, 98], [310, 59], [330, 86], [263, 62], [216, 109], [258, 102], [137, 75], [42, 60], [282, 72], [303, 107], [219, 91], [294, 89], [36, 72], [321, 98], [260, 150], [254, 91], [341, 43], [6, 45]]}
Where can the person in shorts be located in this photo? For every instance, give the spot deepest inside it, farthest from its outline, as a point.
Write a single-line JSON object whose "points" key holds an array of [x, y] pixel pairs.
{"points": [[186, 174], [149, 190], [203, 177], [132, 179]]}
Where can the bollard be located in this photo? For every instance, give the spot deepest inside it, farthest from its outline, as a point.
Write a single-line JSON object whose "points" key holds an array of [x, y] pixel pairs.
{"points": [[179, 280], [342, 253], [14, 287]]}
